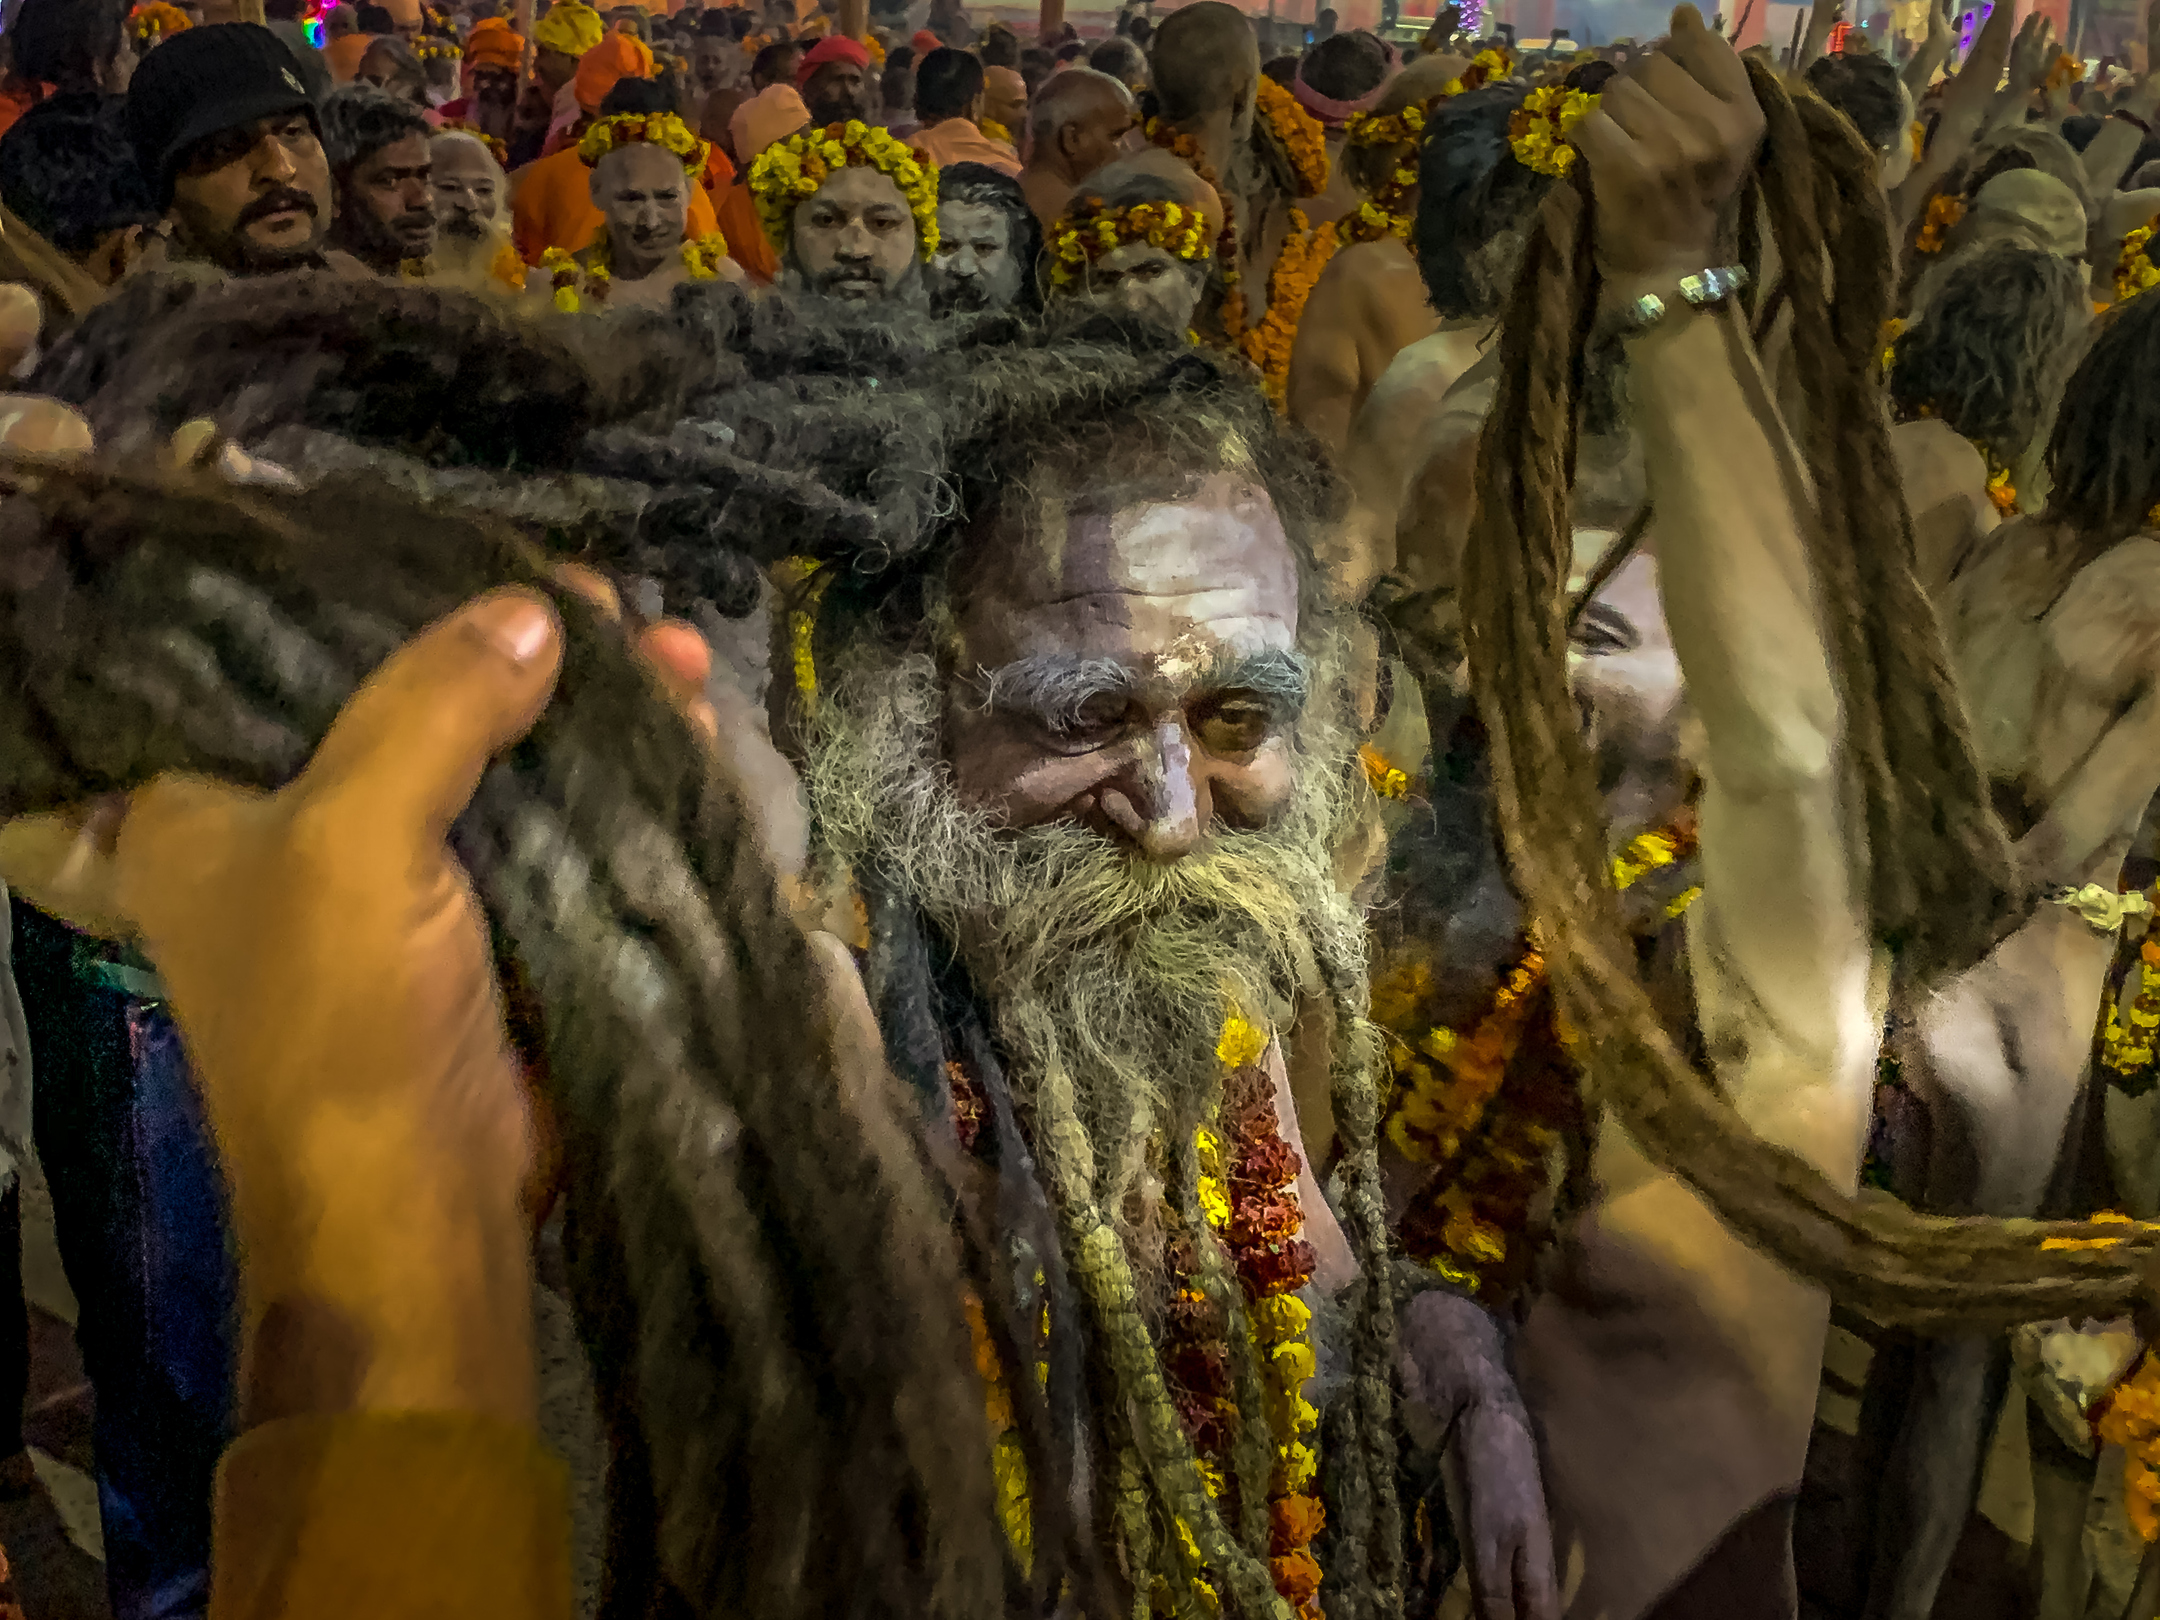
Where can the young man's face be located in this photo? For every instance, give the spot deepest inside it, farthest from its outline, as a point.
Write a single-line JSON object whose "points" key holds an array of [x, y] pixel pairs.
{"points": [[389, 204], [855, 238], [256, 198]]}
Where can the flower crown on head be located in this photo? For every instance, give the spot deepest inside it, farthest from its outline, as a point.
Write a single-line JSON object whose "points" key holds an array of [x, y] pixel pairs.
{"points": [[154, 21], [1484, 67], [496, 149], [663, 130], [1083, 237], [1538, 130], [435, 48], [2134, 269], [789, 173]]}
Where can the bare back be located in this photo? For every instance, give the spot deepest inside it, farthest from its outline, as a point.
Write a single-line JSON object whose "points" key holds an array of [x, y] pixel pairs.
{"points": [[1368, 306]]}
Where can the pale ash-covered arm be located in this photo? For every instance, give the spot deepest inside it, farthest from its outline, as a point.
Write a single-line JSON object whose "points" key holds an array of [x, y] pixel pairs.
{"points": [[1780, 942]]}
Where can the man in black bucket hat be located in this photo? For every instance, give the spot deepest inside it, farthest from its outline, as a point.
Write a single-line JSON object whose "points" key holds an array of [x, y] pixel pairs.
{"points": [[228, 137]]}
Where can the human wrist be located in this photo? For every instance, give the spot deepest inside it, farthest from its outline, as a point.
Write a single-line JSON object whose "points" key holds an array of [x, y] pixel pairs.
{"points": [[388, 1274]]}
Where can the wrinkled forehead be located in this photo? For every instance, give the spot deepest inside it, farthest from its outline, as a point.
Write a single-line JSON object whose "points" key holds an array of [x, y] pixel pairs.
{"points": [[641, 168], [971, 219], [858, 186], [460, 157], [1175, 569]]}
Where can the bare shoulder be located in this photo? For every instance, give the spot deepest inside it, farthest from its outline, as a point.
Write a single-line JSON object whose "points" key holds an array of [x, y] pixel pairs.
{"points": [[1945, 482], [2109, 616]]}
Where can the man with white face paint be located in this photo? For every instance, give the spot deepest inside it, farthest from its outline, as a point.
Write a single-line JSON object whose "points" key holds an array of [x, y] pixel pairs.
{"points": [[472, 216], [1139, 238], [988, 242], [644, 172]]}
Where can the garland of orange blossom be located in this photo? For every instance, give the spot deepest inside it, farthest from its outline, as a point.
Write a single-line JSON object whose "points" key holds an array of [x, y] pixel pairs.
{"points": [[2132, 1421], [1485, 1106], [1186, 149], [1259, 1184], [1943, 213], [1301, 134], [1305, 254]]}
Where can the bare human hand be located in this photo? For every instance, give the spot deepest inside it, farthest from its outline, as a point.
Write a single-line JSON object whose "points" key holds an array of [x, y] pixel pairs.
{"points": [[1667, 149]]}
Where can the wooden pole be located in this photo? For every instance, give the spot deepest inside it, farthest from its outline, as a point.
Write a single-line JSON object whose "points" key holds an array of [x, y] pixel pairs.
{"points": [[854, 19], [1051, 24], [524, 15], [249, 11]]}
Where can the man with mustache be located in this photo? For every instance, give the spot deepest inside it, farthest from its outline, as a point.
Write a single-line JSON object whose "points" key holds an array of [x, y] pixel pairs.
{"points": [[472, 216], [833, 77], [988, 242], [231, 145], [863, 231], [380, 163]]}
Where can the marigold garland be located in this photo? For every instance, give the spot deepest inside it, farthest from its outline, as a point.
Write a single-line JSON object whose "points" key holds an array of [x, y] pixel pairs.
{"points": [[992, 130], [1084, 236], [1917, 135], [1486, 66], [790, 172], [435, 48], [663, 130], [1388, 781], [1301, 134], [508, 268], [2000, 491], [2064, 71], [572, 283], [1538, 130], [1272, 1263], [2129, 1035], [2134, 269], [1943, 213], [1388, 212], [1186, 149], [157, 21], [1008, 1459], [2132, 1421], [1305, 254], [1485, 1107]]}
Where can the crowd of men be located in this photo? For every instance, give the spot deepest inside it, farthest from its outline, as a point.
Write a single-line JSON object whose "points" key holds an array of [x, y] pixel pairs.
{"points": [[1347, 830]]}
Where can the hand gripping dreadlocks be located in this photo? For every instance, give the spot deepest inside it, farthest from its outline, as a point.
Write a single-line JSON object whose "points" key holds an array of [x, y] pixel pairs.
{"points": [[761, 1269], [1939, 883]]}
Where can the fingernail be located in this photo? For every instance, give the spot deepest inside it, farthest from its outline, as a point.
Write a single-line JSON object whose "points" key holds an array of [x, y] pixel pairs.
{"points": [[516, 626]]}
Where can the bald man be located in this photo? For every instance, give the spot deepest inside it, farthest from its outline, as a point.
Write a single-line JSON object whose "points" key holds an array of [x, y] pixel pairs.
{"points": [[1075, 125]]}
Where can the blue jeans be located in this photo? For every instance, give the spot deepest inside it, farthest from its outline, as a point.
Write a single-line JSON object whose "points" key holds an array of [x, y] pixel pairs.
{"points": [[139, 1209]]}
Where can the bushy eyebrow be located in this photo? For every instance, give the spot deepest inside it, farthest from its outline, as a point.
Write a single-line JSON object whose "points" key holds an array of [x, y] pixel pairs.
{"points": [[1057, 689]]}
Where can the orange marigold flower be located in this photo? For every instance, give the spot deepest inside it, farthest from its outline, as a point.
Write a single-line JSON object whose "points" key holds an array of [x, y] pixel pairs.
{"points": [[1296, 1575], [1293, 1522]]}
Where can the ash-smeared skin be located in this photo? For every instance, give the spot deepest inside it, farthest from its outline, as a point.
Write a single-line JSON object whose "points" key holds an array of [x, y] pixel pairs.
{"points": [[642, 917]]}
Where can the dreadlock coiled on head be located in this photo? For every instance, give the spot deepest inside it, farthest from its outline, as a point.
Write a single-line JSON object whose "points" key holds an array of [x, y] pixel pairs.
{"points": [[1938, 884]]}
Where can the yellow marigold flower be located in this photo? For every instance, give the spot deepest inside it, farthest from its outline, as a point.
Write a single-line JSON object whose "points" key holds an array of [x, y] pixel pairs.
{"points": [[1242, 1043], [1279, 1317], [1293, 1361]]}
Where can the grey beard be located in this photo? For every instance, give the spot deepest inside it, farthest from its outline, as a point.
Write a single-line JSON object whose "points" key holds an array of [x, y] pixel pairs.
{"points": [[1095, 962]]}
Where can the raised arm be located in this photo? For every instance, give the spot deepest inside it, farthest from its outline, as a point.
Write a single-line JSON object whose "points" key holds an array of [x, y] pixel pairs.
{"points": [[1667, 152]]}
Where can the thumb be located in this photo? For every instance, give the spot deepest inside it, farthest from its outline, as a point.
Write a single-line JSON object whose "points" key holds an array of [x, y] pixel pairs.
{"points": [[408, 748]]}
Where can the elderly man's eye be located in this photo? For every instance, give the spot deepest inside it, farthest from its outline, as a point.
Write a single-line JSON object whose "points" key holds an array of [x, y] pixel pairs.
{"points": [[1235, 726]]}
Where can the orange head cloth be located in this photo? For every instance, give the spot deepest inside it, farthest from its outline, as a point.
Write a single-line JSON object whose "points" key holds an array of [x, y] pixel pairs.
{"points": [[494, 43], [618, 56]]}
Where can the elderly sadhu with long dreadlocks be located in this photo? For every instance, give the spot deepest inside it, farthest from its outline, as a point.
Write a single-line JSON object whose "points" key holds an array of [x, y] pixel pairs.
{"points": [[1073, 703]]}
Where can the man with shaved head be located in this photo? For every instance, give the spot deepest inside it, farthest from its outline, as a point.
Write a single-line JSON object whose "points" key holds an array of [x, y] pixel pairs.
{"points": [[1075, 126]]}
